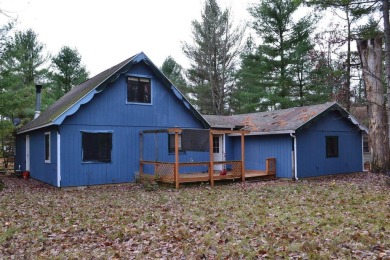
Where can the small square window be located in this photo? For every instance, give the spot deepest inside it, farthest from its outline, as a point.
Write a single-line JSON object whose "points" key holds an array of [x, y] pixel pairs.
{"points": [[138, 90], [332, 146], [96, 147], [171, 143], [47, 147]]}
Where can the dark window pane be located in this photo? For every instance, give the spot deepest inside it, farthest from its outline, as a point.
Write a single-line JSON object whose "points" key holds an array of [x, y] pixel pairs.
{"points": [[216, 144], [366, 147], [97, 147], [138, 90], [332, 146], [171, 143], [47, 147]]}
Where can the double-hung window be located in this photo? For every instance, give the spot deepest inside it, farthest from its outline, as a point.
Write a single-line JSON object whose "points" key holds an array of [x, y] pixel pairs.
{"points": [[139, 90], [96, 147]]}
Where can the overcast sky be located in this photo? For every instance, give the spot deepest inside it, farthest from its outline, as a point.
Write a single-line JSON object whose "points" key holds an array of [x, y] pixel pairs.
{"points": [[108, 32]]}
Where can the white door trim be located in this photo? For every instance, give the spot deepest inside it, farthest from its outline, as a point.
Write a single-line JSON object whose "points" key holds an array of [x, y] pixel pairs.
{"points": [[27, 153], [218, 157]]}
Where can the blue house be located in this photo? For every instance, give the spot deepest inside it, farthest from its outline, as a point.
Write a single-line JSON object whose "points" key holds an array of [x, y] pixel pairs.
{"points": [[130, 119], [91, 135], [306, 141]]}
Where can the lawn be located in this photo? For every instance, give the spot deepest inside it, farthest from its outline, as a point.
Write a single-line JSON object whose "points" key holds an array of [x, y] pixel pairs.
{"points": [[332, 217]]}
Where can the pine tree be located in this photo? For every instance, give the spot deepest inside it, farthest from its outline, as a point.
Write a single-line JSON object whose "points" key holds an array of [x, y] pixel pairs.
{"points": [[213, 54], [67, 71], [175, 73], [282, 62], [22, 62]]}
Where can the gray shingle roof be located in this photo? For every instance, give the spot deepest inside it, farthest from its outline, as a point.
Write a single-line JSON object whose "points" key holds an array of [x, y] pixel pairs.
{"points": [[76, 93], [284, 120]]}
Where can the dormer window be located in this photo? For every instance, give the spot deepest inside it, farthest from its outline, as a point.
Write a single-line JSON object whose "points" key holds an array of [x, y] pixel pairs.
{"points": [[138, 90]]}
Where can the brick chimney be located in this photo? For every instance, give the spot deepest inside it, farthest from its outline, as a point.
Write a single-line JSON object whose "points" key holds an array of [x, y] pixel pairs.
{"points": [[38, 89]]}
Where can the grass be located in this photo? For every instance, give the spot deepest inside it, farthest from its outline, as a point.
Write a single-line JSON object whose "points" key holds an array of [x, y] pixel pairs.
{"points": [[343, 217]]}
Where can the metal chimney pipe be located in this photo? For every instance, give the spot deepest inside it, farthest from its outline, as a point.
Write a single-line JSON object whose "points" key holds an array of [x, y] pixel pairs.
{"points": [[38, 89]]}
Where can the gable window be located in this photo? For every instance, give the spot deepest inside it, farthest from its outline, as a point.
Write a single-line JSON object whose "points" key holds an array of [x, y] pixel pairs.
{"points": [[171, 143], [96, 147], [138, 90], [332, 146], [47, 147]]}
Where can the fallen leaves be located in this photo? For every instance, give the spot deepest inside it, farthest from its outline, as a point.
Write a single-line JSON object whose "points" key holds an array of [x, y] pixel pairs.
{"points": [[330, 217]]}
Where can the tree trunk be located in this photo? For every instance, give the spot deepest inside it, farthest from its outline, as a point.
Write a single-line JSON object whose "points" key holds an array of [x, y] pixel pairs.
{"points": [[386, 26], [370, 52]]}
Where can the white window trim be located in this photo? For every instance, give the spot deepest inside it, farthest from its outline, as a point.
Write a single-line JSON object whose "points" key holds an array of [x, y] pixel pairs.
{"points": [[151, 90], [44, 150]]}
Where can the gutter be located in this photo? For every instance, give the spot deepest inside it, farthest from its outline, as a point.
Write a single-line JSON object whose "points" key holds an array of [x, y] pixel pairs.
{"points": [[295, 177], [282, 132]]}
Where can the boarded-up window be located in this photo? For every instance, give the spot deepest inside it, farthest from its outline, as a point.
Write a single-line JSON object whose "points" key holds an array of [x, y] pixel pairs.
{"points": [[171, 143], [138, 90], [96, 147], [332, 146], [47, 147]]}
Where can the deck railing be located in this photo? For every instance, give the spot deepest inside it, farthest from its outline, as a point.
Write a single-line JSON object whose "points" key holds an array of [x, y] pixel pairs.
{"points": [[191, 171], [198, 171]]}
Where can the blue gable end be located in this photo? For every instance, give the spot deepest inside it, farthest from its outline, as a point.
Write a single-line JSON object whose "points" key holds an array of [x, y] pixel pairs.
{"points": [[109, 111], [312, 159], [103, 108]]}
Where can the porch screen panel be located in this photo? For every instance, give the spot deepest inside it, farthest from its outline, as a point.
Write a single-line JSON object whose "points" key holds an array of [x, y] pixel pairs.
{"points": [[196, 140]]}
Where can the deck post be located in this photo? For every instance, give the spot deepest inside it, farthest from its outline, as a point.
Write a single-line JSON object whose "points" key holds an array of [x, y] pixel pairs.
{"points": [[242, 157], [177, 159], [211, 168], [141, 146]]}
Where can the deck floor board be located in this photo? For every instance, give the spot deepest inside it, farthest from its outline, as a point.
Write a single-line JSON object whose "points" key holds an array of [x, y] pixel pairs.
{"points": [[203, 177]]}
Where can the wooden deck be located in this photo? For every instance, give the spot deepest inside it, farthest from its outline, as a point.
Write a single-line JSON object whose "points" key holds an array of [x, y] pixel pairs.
{"points": [[168, 172], [204, 177]]}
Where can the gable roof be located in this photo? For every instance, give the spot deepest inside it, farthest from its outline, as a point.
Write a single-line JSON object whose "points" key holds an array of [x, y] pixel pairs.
{"points": [[83, 93], [278, 121]]}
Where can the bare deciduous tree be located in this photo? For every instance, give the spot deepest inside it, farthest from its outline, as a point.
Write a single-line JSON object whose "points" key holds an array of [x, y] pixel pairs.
{"points": [[371, 57]]}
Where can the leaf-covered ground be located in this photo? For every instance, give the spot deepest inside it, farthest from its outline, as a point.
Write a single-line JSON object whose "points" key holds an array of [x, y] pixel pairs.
{"points": [[333, 217]]}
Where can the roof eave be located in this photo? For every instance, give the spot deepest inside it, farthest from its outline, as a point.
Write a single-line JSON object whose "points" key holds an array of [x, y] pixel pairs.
{"points": [[281, 132], [35, 128]]}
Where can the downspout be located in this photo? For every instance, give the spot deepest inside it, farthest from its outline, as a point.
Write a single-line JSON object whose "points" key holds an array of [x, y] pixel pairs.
{"points": [[58, 158], [362, 135], [295, 177]]}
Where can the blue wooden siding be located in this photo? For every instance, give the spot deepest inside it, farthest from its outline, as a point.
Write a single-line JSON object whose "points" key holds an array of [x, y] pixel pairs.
{"points": [[259, 148], [311, 147], [109, 111], [39, 169]]}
